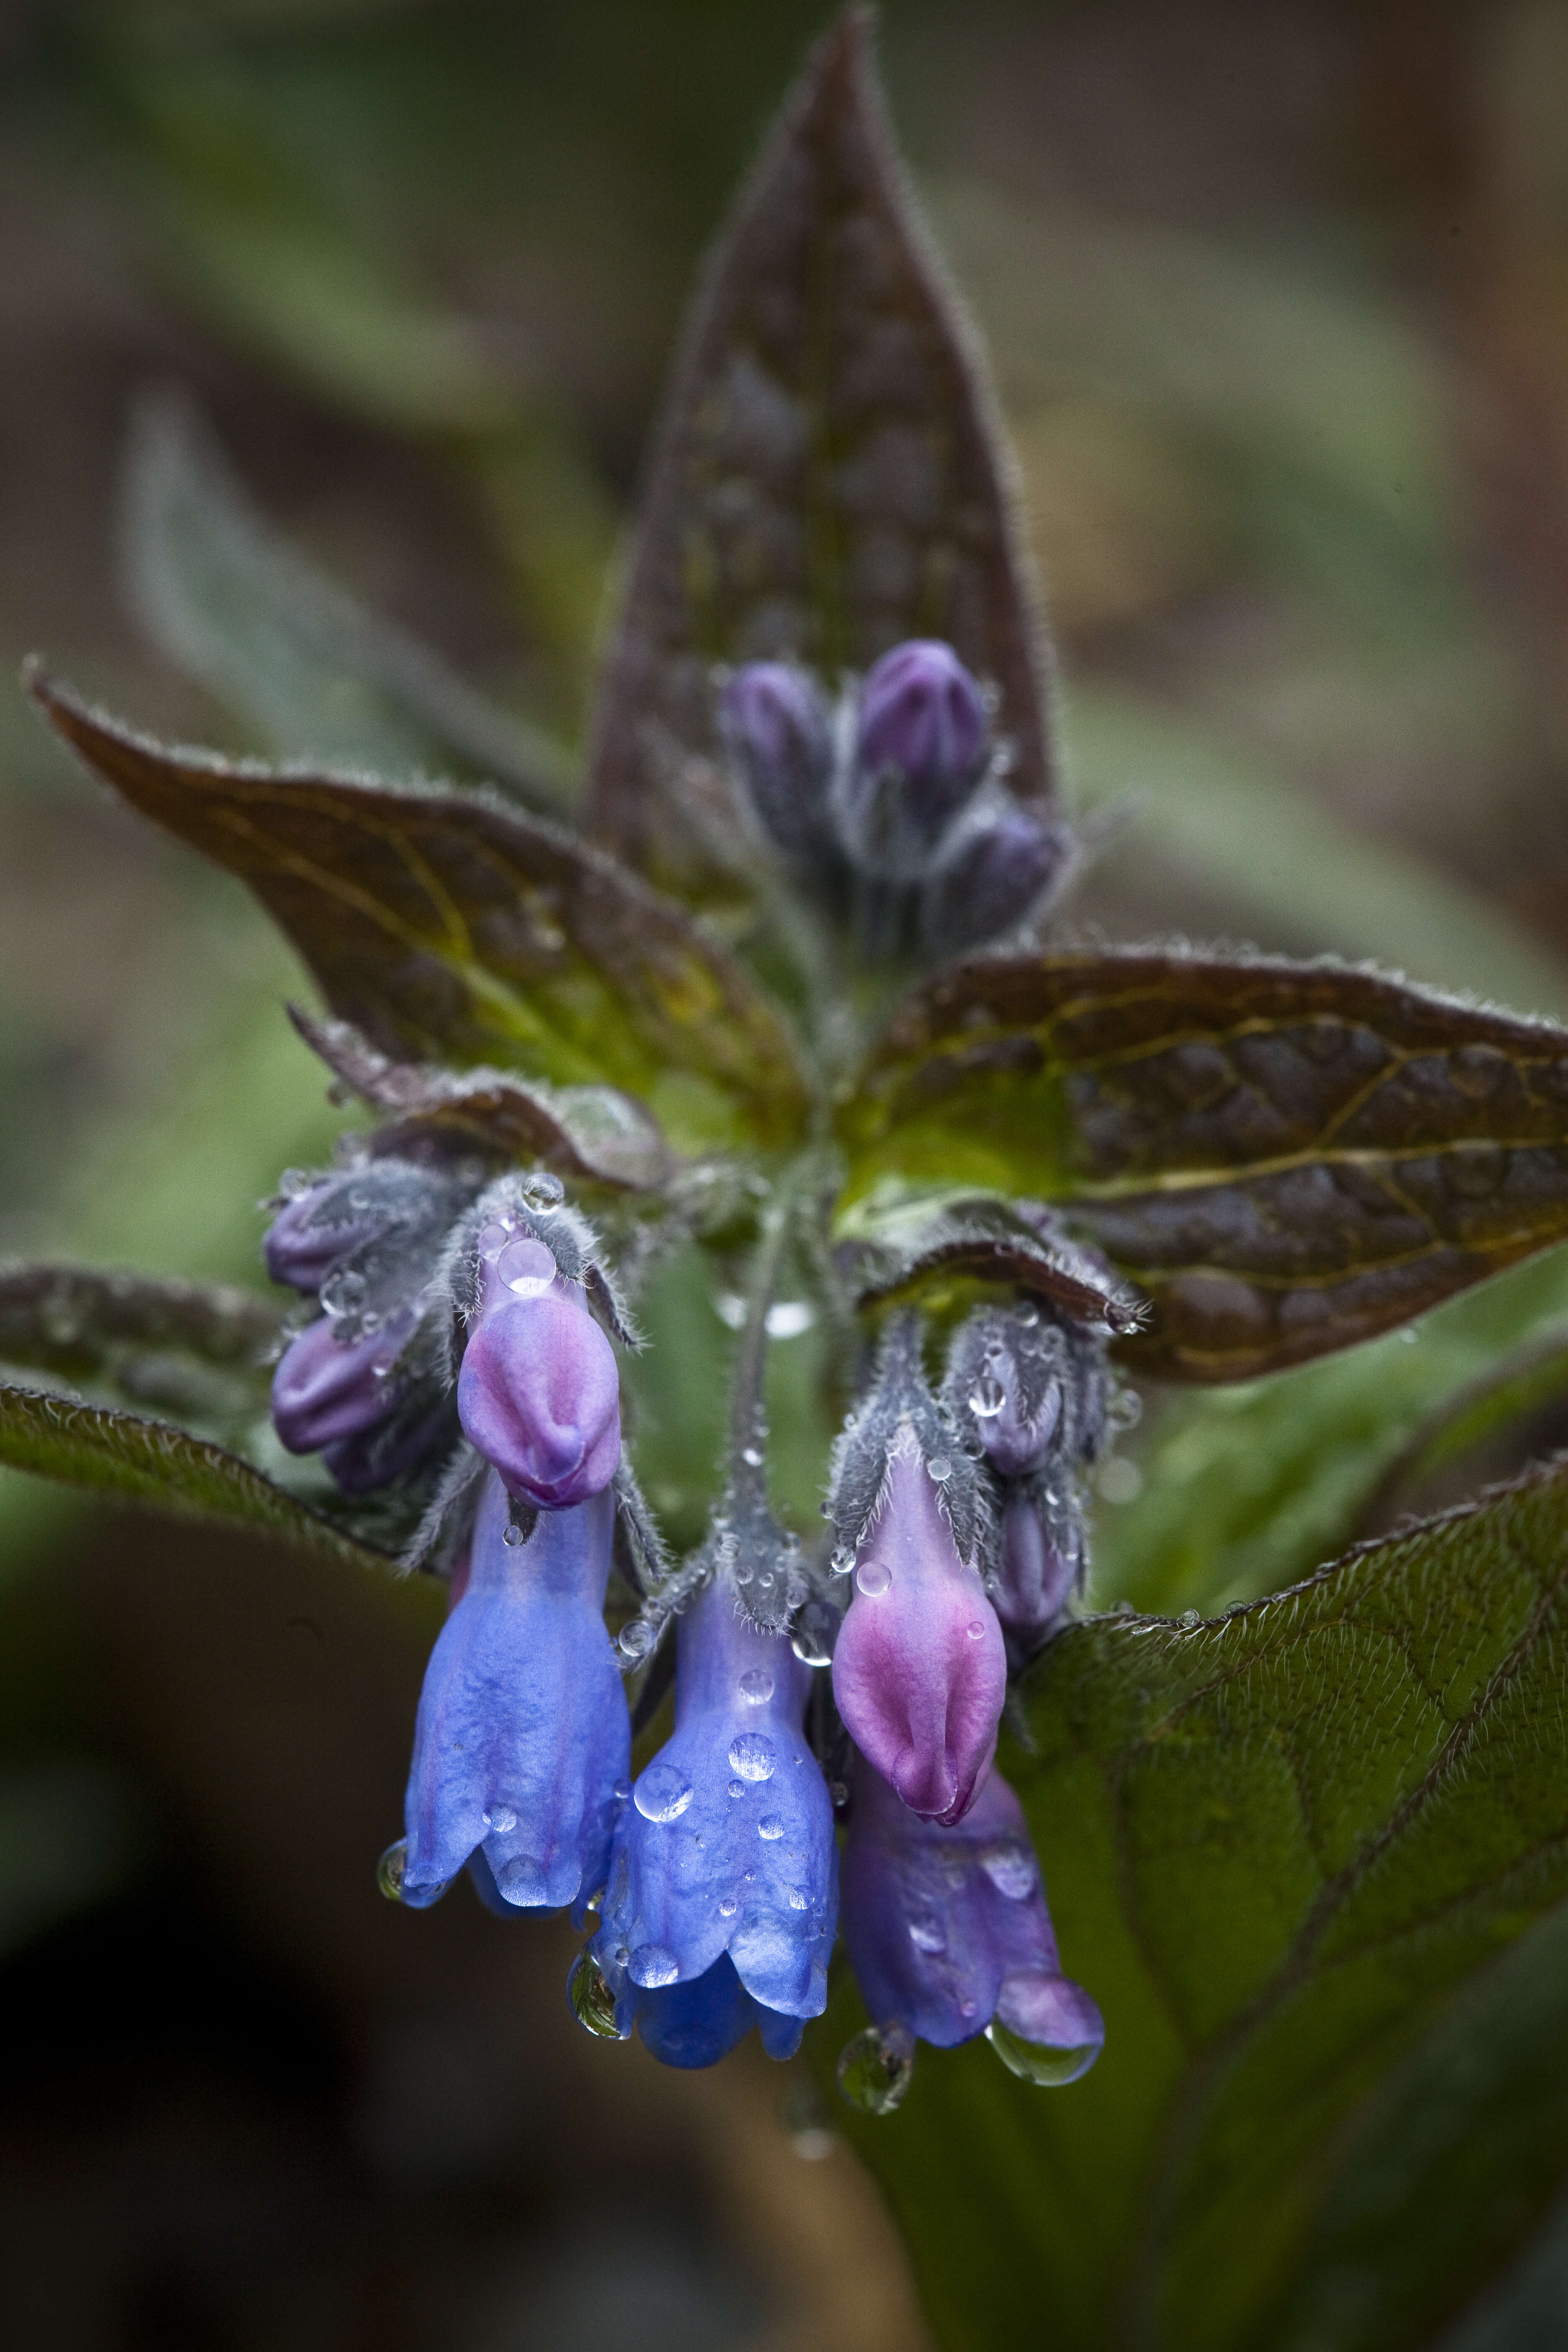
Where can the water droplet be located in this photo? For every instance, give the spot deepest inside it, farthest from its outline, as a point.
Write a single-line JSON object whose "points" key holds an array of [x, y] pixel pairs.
{"points": [[493, 1239], [512, 1535], [770, 1826], [988, 1397], [928, 1934], [1190, 1617], [542, 1190], [873, 1578], [737, 1787], [662, 1793], [293, 1182], [593, 2002], [502, 1818], [635, 1638], [526, 1268], [1028, 1317], [757, 1685], [341, 1292], [748, 1878], [967, 2008], [370, 1323], [752, 1457], [816, 1628], [796, 1899], [1011, 1870], [728, 1908], [651, 1965], [623, 1790], [976, 1629], [838, 1790], [389, 1870], [1035, 2062], [788, 1318], [752, 1756], [874, 2069], [843, 1560], [941, 1468], [523, 1882]]}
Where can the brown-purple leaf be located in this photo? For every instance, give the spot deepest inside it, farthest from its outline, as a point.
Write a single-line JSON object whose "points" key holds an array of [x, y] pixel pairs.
{"points": [[588, 1134], [917, 1254], [829, 475], [451, 928], [1284, 1158]]}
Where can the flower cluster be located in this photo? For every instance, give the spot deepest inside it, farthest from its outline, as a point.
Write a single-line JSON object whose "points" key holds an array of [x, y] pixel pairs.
{"points": [[893, 797], [460, 1350]]}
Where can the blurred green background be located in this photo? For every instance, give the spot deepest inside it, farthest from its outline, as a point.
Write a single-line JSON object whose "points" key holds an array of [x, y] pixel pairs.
{"points": [[1278, 298]]}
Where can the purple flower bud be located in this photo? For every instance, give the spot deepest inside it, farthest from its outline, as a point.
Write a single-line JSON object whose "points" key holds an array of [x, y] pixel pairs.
{"points": [[776, 726], [326, 1390], [920, 1669], [1035, 1577], [1002, 871], [522, 1734], [919, 750], [726, 1848], [948, 1934], [378, 1455], [303, 1244], [539, 1393], [1014, 1443]]}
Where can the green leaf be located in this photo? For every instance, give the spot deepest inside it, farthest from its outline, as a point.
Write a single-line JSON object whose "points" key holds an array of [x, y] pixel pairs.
{"points": [[592, 1134], [828, 477], [1511, 1415], [198, 1349], [448, 928], [1285, 1158], [237, 606], [1313, 1860], [126, 1458]]}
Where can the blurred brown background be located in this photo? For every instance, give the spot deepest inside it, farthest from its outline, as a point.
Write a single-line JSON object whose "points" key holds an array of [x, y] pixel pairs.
{"points": [[1278, 300]]}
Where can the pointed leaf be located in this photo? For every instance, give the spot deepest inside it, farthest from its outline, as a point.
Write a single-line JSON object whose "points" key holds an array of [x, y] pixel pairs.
{"points": [[449, 928], [828, 476], [593, 1134], [199, 1350], [915, 1254], [1280, 1848], [1284, 1158], [235, 603], [126, 1458]]}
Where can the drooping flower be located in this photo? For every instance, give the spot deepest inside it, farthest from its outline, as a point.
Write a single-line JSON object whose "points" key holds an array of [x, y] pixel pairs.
{"points": [[539, 1392], [726, 1853], [920, 1670], [922, 742], [948, 1934], [776, 726], [522, 1732], [997, 873], [328, 1388]]}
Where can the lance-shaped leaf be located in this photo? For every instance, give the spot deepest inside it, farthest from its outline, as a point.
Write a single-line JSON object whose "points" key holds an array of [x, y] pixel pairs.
{"points": [[125, 1457], [1312, 1860], [1284, 1158], [449, 928], [198, 1349], [829, 477], [912, 1254], [592, 1134]]}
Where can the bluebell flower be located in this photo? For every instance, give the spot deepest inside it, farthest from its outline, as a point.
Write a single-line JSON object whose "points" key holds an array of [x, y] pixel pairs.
{"points": [[522, 1734], [697, 2023], [539, 1392], [726, 1854], [1034, 1575], [312, 1231], [948, 1934]]}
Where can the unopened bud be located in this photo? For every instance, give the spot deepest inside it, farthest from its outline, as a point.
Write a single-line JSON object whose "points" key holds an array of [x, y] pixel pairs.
{"points": [[775, 725], [921, 747]]}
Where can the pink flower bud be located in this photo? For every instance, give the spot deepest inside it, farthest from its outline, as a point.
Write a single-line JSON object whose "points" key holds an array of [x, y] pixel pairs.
{"points": [[920, 1670], [539, 1393]]}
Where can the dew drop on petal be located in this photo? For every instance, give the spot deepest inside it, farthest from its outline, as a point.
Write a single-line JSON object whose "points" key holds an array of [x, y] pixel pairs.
{"points": [[941, 1468], [593, 2002], [1037, 2061], [770, 1826], [988, 1397], [651, 1965], [389, 1870], [526, 1268], [976, 1629], [1010, 1869], [511, 1535], [757, 1685], [499, 1817], [873, 1578], [752, 1756], [796, 1899], [623, 1790], [926, 1935], [874, 2069], [635, 1638], [662, 1792], [737, 1787], [728, 1908]]}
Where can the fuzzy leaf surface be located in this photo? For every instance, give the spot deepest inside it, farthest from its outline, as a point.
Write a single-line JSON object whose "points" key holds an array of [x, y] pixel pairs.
{"points": [[1311, 1859], [829, 477], [125, 1457], [448, 928], [198, 1349], [1285, 1158]]}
